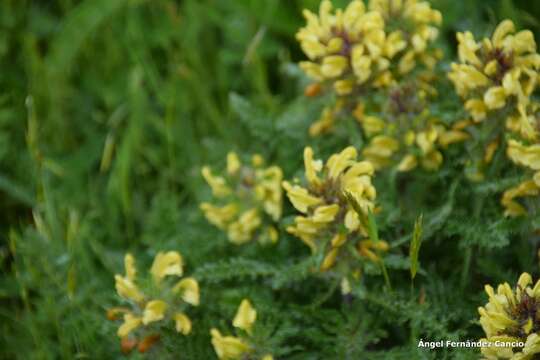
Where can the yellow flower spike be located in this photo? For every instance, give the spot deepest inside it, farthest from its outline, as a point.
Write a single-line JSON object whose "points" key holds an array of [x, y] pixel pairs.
{"points": [[154, 311], [131, 322], [182, 323], [233, 163], [267, 357], [169, 263], [129, 264], [536, 179], [127, 289], [217, 183], [188, 288], [245, 316], [300, 197], [228, 347]]}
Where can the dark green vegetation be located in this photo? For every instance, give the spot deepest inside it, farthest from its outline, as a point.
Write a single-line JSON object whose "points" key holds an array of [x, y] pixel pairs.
{"points": [[109, 108]]}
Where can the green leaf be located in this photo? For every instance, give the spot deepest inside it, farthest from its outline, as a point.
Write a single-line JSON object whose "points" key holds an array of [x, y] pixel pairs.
{"points": [[414, 249]]}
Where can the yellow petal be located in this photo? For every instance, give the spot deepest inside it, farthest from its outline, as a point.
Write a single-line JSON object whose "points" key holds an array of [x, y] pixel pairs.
{"points": [[330, 259], [131, 322], [339, 162], [169, 263], [311, 166], [334, 65], [495, 97], [127, 289], [408, 163], [228, 347], [233, 163], [502, 30], [154, 311], [245, 316], [189, 290], [182, 323], [300, 197], [217, 183], [325, 214]]}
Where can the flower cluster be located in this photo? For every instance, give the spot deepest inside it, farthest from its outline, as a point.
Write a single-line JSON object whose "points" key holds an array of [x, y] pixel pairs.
{"points": [[409, 135], [239, 347], [162, 302], [329, 221], [496, 78], [359, 49], [249, 200], [511, 316]]}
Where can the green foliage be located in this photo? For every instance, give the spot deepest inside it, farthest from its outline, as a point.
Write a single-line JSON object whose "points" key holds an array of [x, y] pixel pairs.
{"points": [[108, 110]]}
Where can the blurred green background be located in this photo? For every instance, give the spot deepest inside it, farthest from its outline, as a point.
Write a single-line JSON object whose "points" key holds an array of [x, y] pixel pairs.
{"points": [[108, 108]]}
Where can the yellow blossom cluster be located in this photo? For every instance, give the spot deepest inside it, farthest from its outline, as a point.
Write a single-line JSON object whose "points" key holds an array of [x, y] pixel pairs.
{"points": [[248, 200], [406, 135], [162, 301], [497, 77], [510, 316], [354, 46], [234, 347], [328, 221], [359, 48]]}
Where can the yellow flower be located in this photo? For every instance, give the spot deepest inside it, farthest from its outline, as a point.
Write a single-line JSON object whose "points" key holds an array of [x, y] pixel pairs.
{"points": [[127, 289], [525, 189], [241, 231], [253, 201], [182, 323], [507, 317], [219, 216], [217, 183], [164, 264], [189, 290], [163, 306], [231, 347], [245, 316], [125, 285], [131, 322], [228, 347], [154, 311], [326, 211]]}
